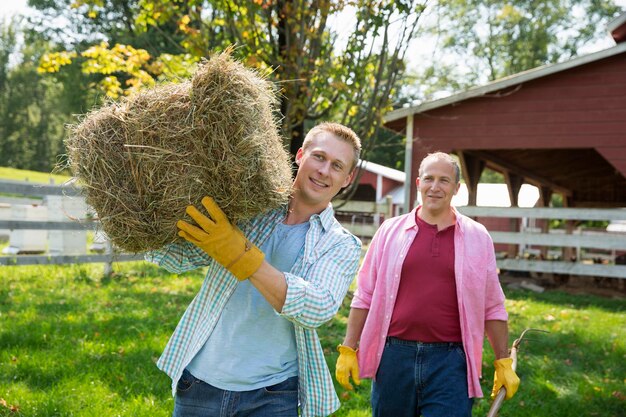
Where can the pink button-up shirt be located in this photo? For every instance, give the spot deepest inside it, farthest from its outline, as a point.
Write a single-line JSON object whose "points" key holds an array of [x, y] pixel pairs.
{"points": [[478, 290]]}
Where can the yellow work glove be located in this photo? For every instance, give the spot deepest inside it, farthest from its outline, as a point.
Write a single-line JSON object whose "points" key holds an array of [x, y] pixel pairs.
{"points": [[222, 240], [347, 365], [505, 377]]}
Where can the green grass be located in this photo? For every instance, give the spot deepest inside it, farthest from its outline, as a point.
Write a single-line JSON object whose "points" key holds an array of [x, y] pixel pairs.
{"points": [[31, 176], [75, 344]]}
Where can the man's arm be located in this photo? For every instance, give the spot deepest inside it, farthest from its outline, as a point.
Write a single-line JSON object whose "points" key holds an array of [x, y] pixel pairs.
{"points": [[178, 257], [313, 299], [504, 376], [272, 285], [498, 335], [347, 364], [356, 322], [308, 302]]}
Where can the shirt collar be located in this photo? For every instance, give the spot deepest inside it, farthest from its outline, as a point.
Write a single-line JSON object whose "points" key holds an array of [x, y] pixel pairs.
{"points": [[410, 223], [325, 218]]}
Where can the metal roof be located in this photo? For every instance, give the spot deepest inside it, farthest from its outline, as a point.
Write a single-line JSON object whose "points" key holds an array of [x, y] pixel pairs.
{"points": [[386, 172]]}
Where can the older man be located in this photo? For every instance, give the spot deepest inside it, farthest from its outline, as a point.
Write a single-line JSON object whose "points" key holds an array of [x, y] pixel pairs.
{"points": [[427, 292]]}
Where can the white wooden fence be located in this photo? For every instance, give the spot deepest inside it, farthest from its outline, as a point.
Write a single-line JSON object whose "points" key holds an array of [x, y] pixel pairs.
{"points": [[364, 218], [36, 190], [579, 241]]}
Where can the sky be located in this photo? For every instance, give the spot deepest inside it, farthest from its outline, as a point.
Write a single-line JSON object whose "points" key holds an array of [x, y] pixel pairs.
{"points": [[10, 7]]}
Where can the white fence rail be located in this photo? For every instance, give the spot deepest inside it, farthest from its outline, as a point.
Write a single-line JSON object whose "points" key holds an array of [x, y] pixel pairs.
{"points": [[364, 216], [575, 239], [35, 190], [357, 210]]}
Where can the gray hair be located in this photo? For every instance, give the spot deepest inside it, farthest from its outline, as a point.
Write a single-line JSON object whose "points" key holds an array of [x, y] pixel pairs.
{"points": [[441, 156]]}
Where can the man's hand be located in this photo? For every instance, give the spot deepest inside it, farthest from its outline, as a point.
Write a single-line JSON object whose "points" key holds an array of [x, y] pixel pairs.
{"points": [[347, 365], [505, 377], [223, 241]]}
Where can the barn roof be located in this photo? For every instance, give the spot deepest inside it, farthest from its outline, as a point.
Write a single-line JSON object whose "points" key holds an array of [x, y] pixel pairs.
{"points": [[387, 172], [506, 82]]}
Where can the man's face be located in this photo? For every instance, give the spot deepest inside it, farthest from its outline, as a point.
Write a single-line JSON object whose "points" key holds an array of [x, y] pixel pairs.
{"points": [[437, 185], [324, 168]]}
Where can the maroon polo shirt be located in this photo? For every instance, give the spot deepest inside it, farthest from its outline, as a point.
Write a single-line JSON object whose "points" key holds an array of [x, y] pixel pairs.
{"points": [[426, 308]]}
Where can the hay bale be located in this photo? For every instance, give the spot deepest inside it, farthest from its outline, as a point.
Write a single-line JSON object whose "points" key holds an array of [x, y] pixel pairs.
{"points": [[142, 160]]}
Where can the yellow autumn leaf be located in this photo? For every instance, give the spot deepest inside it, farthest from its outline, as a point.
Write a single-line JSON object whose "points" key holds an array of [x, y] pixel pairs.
{"points": [[53, 61], [111, 86]]}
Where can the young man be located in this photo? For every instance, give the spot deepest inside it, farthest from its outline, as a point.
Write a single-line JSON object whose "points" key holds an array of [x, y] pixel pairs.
{"points": [[247, 343], [427, 292]]}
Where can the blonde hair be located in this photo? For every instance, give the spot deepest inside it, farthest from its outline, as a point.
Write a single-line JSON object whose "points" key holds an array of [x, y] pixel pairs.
{"points": [[342, 132]]}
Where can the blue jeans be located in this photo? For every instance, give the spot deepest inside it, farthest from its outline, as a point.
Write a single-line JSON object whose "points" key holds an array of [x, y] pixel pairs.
{"points": [[428, 379], [196, 398]]}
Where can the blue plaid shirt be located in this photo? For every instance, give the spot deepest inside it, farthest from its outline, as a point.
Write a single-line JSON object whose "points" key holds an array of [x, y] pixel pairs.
{"points": [[316, 286]]}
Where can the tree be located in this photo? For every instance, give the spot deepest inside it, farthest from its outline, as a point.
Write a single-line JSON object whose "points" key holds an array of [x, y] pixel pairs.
{"points": [[496, 38], [289, 40], [31, 109]]}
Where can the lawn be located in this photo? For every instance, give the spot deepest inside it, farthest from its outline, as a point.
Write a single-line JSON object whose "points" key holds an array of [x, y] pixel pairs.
{"points": [[75, 344], [32, 176]]}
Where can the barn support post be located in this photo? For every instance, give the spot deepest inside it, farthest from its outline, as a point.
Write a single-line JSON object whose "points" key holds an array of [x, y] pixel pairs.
{"points": [[545, 196], [408, 158], [472, 168]]}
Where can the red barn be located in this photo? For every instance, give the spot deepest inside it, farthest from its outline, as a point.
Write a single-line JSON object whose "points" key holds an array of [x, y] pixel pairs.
{"points": [[561, 127]]}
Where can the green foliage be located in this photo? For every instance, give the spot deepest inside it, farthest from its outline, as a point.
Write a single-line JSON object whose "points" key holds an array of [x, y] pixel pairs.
{"points": [[289, 41], [489, 176], [33, 109], [75, 344], [495, 38], [387, 150]]}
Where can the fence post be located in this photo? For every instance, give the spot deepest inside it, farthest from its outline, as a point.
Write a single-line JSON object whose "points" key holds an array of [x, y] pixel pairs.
{"points": [[389, 201], [108, 265]]}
